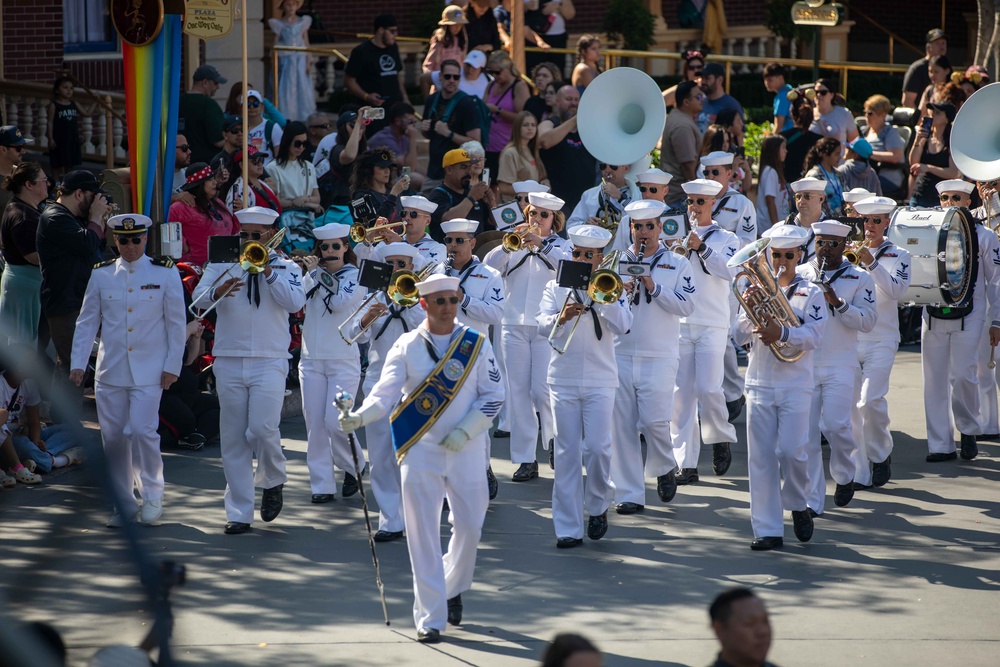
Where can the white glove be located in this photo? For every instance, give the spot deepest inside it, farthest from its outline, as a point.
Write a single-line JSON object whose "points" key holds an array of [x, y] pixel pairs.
{"points": [[455, 440], [350, 422], [471, 425]]}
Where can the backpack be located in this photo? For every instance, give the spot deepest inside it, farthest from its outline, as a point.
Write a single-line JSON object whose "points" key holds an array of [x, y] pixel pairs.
{"points": [[483, 114], [268, 144], [959, 311]]}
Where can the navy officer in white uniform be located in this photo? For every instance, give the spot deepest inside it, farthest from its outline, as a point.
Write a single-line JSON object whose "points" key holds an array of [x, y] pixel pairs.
{"points": [[251, 364], [138, 305], [810, 194], [443, 387]]}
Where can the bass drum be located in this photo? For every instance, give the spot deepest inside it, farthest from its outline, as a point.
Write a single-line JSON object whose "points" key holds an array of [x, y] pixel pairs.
{"points": [[944, 263]]}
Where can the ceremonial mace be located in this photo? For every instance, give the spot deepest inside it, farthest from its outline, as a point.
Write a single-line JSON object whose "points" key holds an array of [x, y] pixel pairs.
{"points": [[344, 402]]}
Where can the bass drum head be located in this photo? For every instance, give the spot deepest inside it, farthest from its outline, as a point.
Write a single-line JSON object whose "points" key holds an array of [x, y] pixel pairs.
{"points": [[956, 268]]}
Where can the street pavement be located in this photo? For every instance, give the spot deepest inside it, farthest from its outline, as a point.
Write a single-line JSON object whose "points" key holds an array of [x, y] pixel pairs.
{"points": [[905, 575]]}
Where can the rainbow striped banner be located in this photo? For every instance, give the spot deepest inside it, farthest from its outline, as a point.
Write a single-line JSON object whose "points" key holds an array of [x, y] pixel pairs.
{"points": [[152, 92]]}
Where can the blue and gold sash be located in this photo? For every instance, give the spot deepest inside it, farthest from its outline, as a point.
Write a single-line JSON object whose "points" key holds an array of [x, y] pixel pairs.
{"points": [[414, 416]]}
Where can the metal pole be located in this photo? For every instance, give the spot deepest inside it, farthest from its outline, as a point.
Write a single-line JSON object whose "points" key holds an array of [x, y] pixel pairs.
{"points": [[245, 164], [816, 37]]}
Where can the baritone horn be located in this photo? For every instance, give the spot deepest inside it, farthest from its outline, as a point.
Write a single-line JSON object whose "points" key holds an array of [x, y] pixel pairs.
{"points": [[770, 303], [402, 290], [605, 287], [254, 258]]}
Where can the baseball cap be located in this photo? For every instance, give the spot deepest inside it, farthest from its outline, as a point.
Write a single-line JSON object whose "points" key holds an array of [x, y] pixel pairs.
{"points": [[209, 72], [230, 123], [11, 136], [476, 58], [935, 34], [455, 156], [861, 146], [80, 179], [947, 108], [713, 69]]}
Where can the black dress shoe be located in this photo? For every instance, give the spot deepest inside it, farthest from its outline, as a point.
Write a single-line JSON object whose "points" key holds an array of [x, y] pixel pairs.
{"points": [[843, 494], [666, 486], [721, 458], [568, 542], [236, 527], [767, 543], [455, 610], [938, 457], [629, 508], [735, 408], [500, 433], [993, 437], [687, 476], [813, 513], [428, 636], [858, 486], [350, 485], [526, 472], [597, 526], [802, 523], [491, 483], [270, 503], [882, 472], [320, 498], [970, 449], [387, 535]]}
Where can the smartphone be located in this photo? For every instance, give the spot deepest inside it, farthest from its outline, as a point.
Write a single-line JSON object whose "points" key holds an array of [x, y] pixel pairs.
{"points": [[373, 113], [925, 123], [485, 178], [406, 172]]}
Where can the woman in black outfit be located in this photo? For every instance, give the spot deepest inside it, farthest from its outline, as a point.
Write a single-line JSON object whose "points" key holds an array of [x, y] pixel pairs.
{"points": [[372, 173], [930, 155]]}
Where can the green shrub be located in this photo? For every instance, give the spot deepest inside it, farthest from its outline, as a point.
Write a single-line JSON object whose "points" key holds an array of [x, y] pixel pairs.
{"points": [[753, 135], [629, 25]]}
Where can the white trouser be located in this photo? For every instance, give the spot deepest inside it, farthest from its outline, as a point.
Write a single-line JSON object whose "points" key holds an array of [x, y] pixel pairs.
{"points": [[504, 417], [777, 442], [251, 392], [384, 473], [870, 416], [128, 417], [698, 390], [832, 401], [429, 471], [583, 435], [949, 357], [526, 353], [643, 404], [988, 379], [328, 445], [732, 383]]}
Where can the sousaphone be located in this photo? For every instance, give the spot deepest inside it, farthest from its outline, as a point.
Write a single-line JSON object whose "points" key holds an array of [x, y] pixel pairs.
{"points": [[975, 135], [621, 116]]}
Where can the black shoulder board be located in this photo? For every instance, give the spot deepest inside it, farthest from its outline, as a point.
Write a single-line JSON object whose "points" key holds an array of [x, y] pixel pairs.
{"points": [[107, 262], [163, 261]]}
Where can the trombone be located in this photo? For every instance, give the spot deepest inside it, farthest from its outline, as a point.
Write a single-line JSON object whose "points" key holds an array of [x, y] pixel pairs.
{"points": [[402, 290], [605, 287], [514, 241], [254, 259], [359, 232]]}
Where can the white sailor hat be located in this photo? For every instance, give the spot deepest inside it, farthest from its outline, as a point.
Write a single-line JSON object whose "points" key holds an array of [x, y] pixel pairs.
{"points": [[460, 225], [129, 223], [831, 228], [718, 159], [786, 236], [257, 215], [524, 187], [437, 282], [333, 230], [703, 187], [856, 195], [545, 200], [589, 236], [875, 206], [398, 249], [808, 184], [645, 209], [955, 184], [419, 203], [653, 175]]}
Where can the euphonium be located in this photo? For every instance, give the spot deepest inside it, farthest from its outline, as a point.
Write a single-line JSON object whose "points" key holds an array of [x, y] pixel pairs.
{"points": [[605, 287], [514, 241], [770, 305]]}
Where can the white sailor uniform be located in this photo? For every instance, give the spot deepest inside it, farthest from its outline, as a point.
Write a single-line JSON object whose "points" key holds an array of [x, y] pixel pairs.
{"points": [[988, 378], [647, 357], [582, 384], [327, 363], [592, 200], [139, 308], [735, 213], [251, 364]]}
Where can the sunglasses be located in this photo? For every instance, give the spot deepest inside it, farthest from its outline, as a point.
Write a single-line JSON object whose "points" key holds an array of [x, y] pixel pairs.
{"points": [[257, 160], [330, 246], [521, 198], [803, 195], [399, 263], [652, 191], [778, 255], [324, 126], [412, 214], [253, 105], [821, 92], [604, 165], [125, 240], [828, 244], [878, 221], [236, 130], [493, 72], [448, 240], [869, 112], [715, 172], [186, 148], [256, 236], [954, 198], [589, 254], [699, 201], [451, 77], [298, 143], [18, 149], [441, 300], [639, 226], [544, 215]]}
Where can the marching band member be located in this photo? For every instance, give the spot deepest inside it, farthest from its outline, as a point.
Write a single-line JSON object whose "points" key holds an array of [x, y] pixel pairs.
{"points": [[779, 397], [652, 185], [384, 323], [607, 199], [582, 385], [251, 364], [647, 357], [417, 212], [733, 211], [853, 196], [451, 368], [810, 193], [481, 289], [704, 339], [328, 362], [889, 267], [950, 347], [848, 293], [989, 215], [137, 303], [526, 272]]}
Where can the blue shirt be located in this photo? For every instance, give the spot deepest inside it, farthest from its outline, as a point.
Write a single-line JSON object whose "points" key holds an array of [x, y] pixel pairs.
{"points": [[782, 107], [711, 109]]}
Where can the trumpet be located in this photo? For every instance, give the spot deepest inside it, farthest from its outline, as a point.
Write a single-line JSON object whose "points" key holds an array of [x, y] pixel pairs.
{"points": [[605, 287], [682, 247], [853, 252], [359, 232], [254, 259], [402, 290], [514, 241]]}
